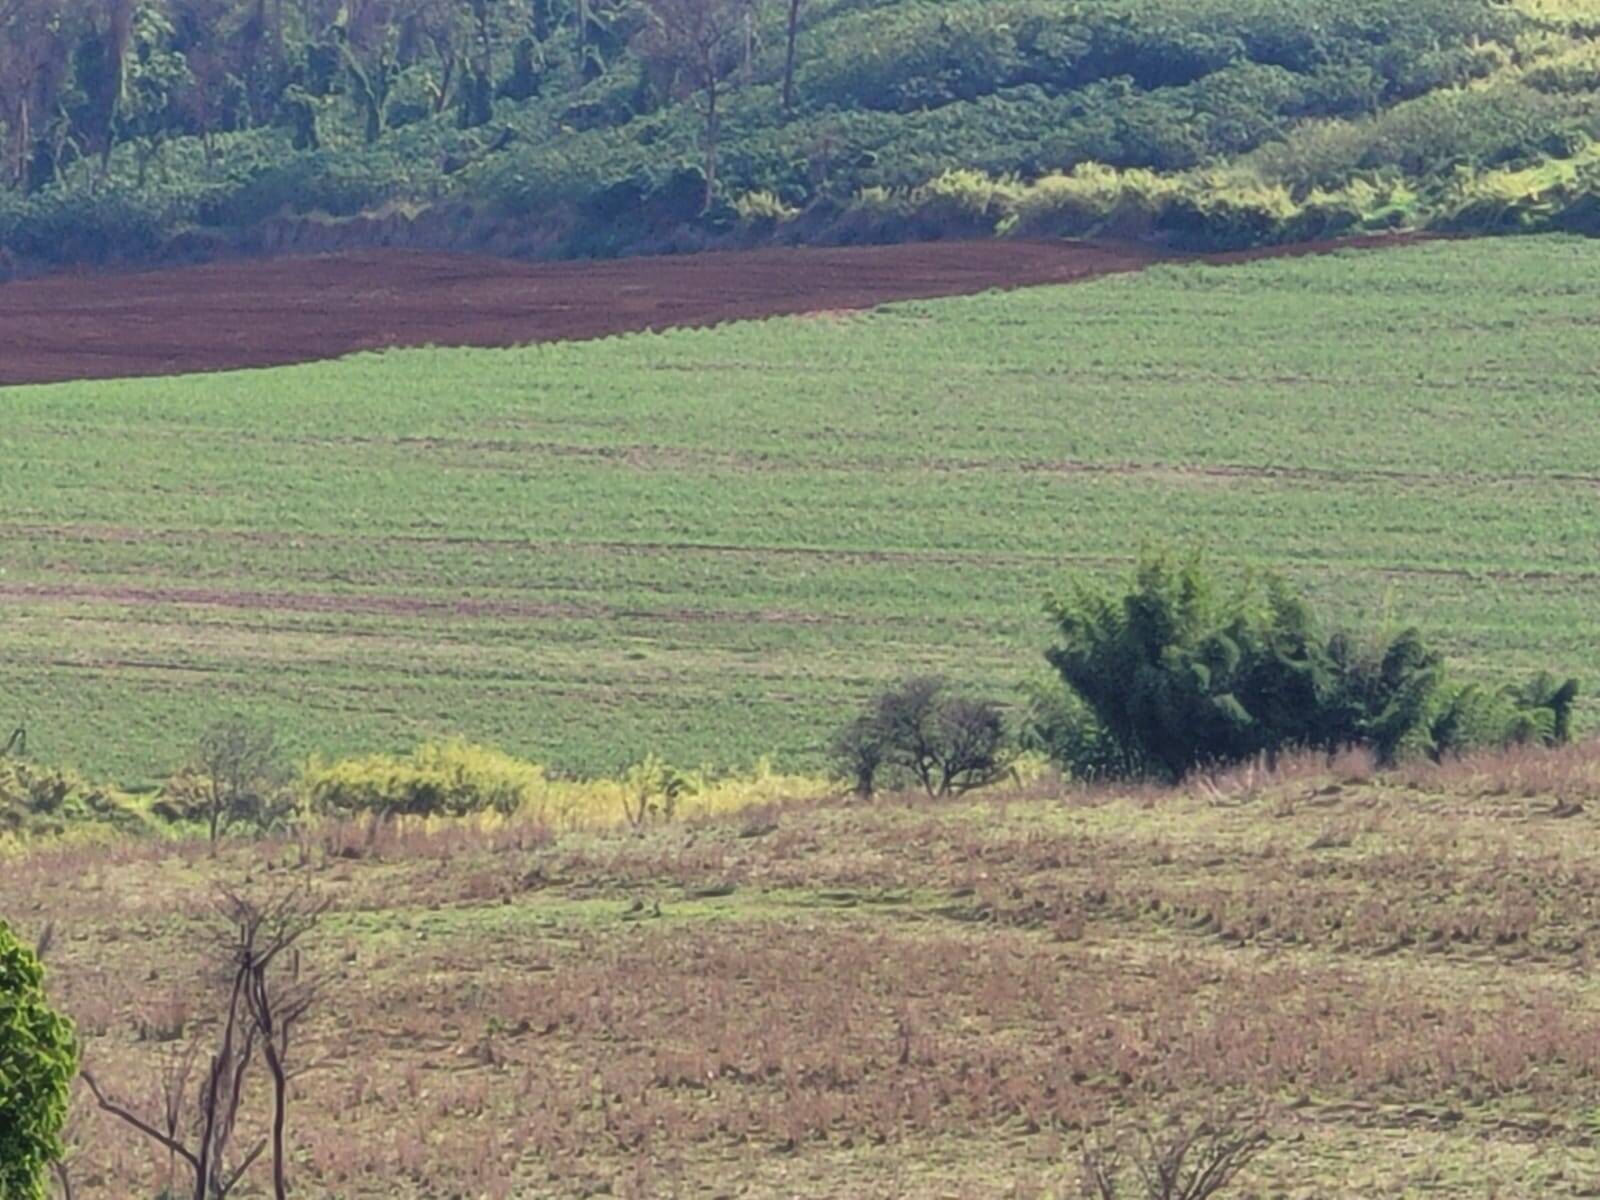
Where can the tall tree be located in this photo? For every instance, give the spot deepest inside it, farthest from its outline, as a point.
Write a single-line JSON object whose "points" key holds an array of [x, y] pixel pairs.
{"points": [[258, 54], [439, 22], [368, 41], [792, 36], [153, 77], [36, 41], [477, 101], [699, 42], [101, 72]]}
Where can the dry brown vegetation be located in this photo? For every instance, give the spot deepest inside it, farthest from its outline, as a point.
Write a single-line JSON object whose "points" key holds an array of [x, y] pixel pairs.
{"points": [[912, 997]]}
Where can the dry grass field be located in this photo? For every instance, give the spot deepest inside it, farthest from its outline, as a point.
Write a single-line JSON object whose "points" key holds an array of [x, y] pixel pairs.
{"points": [[907, 998]]}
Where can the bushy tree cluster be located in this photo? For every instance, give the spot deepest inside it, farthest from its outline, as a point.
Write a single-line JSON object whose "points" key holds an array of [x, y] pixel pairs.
{"points": [[920, 733], [437, 779], [1177, 673]]}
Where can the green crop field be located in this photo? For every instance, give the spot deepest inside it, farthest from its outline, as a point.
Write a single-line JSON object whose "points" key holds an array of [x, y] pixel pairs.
{"points": [[711, 544]]}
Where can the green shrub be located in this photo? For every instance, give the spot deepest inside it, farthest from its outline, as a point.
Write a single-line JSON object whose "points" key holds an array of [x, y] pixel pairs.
{"points": [[1059, 725], [1092, 199], [38, 1057], [1176, 674], [763, 208], [40, 801], [1544, 193], [965, 198], [436, 779], [1220, 209], [653, 789], [920, 734], [1220, 215]]}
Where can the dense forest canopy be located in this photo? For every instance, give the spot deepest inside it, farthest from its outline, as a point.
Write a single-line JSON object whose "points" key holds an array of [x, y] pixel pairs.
{"points": [[618, 124]]}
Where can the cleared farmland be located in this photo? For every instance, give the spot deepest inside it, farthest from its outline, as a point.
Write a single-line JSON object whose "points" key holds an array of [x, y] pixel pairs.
{"points": [[272, 311], [712, 543]]}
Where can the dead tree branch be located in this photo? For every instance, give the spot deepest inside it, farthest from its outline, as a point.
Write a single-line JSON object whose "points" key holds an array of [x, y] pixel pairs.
{"points": [[266, 1003]]}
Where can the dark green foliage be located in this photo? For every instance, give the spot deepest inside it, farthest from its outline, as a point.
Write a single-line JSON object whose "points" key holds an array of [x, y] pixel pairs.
{"points": [[301, 108], [370, 87], [1058, 724], [38, 1057], [859, 751], [523, 82], [886, 95], [1177, 674], [477, 101], [919, 733]]}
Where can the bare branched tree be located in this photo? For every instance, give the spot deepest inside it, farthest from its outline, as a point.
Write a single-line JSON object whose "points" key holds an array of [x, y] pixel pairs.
{"points": [[1185, 1160], [268, 996], [277, 1000], [1099, 1169], [699, 42], [216, 1110]]}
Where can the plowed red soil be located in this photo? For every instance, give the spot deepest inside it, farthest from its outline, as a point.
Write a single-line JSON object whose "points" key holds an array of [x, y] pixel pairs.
{"points": [[268, 312]]}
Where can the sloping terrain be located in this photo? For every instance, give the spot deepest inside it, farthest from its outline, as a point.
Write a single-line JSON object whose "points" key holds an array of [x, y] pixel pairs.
{"points": [[909, 999], [714, 543]]}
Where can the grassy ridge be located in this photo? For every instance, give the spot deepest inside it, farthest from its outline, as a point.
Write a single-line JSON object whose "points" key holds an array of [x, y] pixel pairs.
{"points": [[712, 543]]}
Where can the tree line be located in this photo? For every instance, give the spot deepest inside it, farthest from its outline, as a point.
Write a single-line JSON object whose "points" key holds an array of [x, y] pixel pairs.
{"points": [[78, 79], [596, 127]]}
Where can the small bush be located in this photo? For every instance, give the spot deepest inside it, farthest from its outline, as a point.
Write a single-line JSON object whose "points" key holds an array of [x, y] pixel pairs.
{"points": [[436, 779], [965, 199], [653, 789], [40, 801], [1057, 724], [763, 208], [38, 1056], [860, 754], [918, 733]]}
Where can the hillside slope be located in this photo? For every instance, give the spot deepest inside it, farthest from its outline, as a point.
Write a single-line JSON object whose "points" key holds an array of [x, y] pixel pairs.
{"points": [[713, 544], [517, 127], [910, 999]]}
